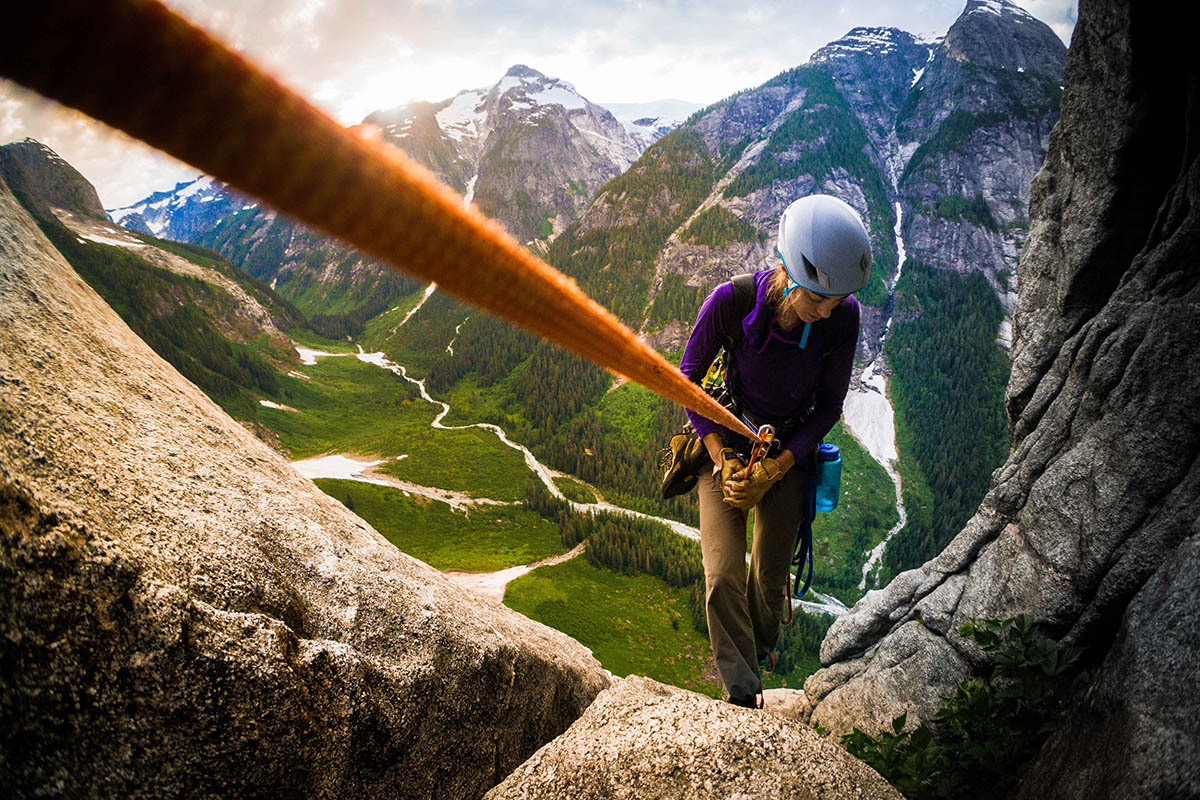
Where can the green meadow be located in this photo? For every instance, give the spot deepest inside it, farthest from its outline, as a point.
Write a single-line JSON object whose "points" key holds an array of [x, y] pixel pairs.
{"points": [[632, 624], [350, 406], [489, 538]]}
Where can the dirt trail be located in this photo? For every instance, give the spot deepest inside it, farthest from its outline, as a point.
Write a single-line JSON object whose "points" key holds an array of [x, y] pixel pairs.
{"points": [[492, 584]]}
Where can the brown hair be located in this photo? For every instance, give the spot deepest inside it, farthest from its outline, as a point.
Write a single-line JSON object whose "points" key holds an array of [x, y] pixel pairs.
{"points": [[784, 308]]}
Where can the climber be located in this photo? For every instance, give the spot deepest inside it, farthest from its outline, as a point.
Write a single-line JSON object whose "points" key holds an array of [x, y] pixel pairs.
{"points": [[788, 364]]}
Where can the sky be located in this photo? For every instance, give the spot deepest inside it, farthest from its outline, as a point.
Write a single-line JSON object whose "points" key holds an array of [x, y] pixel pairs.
{"points": [[352, 57]]}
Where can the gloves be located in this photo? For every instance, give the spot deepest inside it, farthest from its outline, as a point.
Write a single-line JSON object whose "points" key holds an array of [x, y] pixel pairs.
{"points": [[745, 490], [730, 463]]}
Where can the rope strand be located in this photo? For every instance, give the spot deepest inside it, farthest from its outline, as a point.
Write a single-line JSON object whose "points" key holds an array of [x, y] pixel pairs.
{"points": [[139, 67]]}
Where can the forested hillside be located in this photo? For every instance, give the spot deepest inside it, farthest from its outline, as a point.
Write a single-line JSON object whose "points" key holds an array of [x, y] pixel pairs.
{"points": [[949, 394], [219, 326]]}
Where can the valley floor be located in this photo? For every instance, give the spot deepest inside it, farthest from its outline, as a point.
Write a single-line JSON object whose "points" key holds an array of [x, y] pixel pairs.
{"points": [[456, 497]]}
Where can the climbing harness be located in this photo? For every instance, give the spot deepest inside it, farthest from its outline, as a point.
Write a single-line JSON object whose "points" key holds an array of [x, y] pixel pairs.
{"points": [[684, 453], [175, 87], [722, 377]]}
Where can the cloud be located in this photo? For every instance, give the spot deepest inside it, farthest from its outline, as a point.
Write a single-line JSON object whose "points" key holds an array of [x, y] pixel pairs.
{"points": [[352, 57], [122, 169], [1060, 15]]}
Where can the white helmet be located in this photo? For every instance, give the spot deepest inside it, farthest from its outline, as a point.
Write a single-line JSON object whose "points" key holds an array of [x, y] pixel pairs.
{"points": [[824, 245]]}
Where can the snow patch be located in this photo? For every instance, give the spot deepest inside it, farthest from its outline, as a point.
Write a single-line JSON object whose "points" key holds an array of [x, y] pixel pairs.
{"points": [[106, 240], [876, 41], [559, 93], [470, 195], [996, 7], [195, 187], [116, 215], [429, 290], [917, 73], [648, 122], [869, 416], [539, 90], [463, 118], [339, 467], [309, 357]]}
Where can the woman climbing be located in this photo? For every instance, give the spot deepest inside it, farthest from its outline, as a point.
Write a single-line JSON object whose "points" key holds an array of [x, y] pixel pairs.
{"points": [[788, 362]]}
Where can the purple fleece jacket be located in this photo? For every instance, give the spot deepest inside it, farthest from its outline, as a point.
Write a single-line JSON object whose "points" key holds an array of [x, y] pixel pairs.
{"points": [[778, 379]]}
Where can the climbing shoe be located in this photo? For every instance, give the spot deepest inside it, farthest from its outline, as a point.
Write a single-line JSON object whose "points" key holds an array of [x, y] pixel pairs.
{"points": [[682, 460], [744, 700]]}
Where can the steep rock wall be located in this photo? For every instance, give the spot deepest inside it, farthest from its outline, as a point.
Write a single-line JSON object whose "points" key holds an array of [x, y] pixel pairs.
{"points": [[182, 614], [1101, 489]]}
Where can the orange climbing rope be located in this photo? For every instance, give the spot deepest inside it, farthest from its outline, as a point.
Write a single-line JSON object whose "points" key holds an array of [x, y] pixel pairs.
{"points": [[141, 68]]}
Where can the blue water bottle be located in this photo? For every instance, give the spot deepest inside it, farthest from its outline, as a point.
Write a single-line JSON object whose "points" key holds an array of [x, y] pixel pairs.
{"points": [[829, 476]]}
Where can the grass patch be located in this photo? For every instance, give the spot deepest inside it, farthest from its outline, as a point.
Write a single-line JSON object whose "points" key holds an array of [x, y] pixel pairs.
{"points": [[315, 341], [805, 666], [490, 538], [574, 490], [633, 624], [471, 403], [354, 407]]}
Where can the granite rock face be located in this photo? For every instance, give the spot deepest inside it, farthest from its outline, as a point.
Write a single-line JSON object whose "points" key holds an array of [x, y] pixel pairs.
{"points": [[1142, 733], [972, 134], [1094, 514], [181, 613], [47, 181], [641, 739]]}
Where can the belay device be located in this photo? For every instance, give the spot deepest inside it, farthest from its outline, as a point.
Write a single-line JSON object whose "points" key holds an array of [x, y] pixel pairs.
{"points": [[821, 490]]}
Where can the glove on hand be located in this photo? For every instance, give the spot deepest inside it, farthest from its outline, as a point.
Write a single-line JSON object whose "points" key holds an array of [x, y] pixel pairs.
{"points": [[730, 463], [745, 490]]}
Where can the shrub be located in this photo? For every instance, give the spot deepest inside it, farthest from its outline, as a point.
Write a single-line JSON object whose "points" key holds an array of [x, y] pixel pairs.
{"points": [[991, 727]]}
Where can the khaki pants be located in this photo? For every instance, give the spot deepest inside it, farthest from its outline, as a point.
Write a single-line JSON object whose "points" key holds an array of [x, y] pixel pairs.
{"points": [[745, 615]]}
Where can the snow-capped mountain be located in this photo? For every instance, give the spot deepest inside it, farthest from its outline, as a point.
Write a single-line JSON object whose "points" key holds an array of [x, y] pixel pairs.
{"points": [[528, 150], [183, 213], [934, 139], [649, 122]]}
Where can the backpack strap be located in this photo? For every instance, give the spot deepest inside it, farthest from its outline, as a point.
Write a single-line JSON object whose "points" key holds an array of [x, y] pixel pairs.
{"points": [[745, 292]]}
